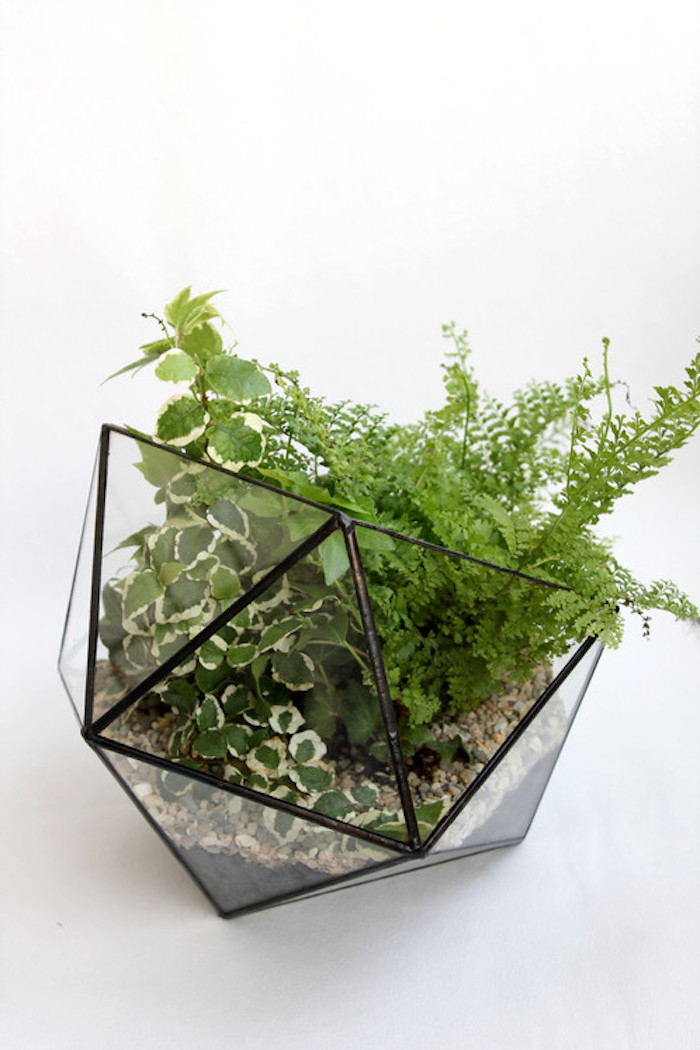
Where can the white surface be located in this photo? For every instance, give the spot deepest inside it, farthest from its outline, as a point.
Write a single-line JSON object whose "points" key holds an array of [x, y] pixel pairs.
{"points": [[354, 174]]}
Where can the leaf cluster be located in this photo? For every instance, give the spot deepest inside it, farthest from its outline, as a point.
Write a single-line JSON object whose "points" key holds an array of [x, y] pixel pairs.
{"points": [[521, 485]]}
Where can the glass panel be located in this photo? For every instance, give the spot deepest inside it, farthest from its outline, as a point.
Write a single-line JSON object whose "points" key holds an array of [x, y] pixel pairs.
{"points": [[243, 853], [282, 700], [502, 809], [513, 811], [73, 656], [181, 542], [452, 633]]}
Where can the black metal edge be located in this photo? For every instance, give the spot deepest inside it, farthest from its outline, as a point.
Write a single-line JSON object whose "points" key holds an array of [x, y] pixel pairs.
{"points": [[459, 554], [385, 702], [331, 509], [191, 646], [357, 880], [103, 458], [576, 707], [512, 739], [136, 436], [71, 594], [259, 797]]}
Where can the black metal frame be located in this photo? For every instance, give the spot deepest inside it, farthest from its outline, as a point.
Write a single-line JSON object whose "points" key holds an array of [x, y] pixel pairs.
{"points": [[336, 520]]}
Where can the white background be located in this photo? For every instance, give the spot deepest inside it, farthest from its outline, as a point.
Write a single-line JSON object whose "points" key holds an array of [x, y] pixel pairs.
{"points": [[354, 174]]}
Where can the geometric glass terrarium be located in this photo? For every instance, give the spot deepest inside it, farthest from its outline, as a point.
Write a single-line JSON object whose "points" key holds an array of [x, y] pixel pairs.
{"points": [[223, 653]]}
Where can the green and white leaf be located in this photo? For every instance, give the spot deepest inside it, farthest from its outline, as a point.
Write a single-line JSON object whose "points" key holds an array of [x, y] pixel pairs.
{"points": [[209, 714], [237, 442], [284, 826], [229, 519], [176, 367], [311, 779], [141, 589], [307, 746], [285, 718], [181, 420], [269, 757], [293, 669]]}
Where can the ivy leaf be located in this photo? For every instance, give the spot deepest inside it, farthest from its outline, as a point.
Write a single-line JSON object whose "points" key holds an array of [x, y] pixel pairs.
{"points": [[211, 743], [235, 378], [240, 655], [180, 420], [181, 695], [158, 465], [169, 572], [306, 746], [364, 794], [334, 557], [140, 590], [237, 739], [203, 341], [362, 714], [236, 442], [176, 367], [333, 804], [228, 518], [184, 313], [311, 778], [277, 631], [294, 669], [285, 718], [225, 583], [209, 714]]}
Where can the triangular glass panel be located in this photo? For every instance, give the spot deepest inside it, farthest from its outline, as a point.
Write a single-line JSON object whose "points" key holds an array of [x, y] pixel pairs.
{"points": [[498, 814], [502, 809], [178, 542], [73, 655], [243, 853], [437, 614], [282, 700]]}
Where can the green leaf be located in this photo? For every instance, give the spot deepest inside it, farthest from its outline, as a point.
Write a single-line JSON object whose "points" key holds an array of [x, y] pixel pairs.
{"points": [[364, 794], [211, 743], [204, 341], [176, 367], [240, 655], [235, 443], [334, 557], [311, 778], [293, 669], [140, 590], [362, 714], [209, 714], [185, 313], [169, 572], [235, 699], [333, 804], [180, 420], [235, 378], [429, 814], [193, 541], [306, 746], [267, 756], [228, 518], [158, 465], [212, 653], [183, 599], [181, 695], [277, 631], [237, 739], [225, 583]]}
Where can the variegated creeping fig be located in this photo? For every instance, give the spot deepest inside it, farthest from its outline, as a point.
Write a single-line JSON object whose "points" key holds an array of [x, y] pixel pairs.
{"points": [[266, 701]]}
